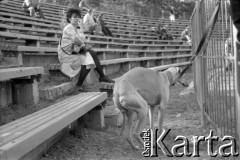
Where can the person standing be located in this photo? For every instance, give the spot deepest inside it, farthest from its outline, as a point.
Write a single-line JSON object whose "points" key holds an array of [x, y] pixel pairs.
{"points": [[172, 14]]}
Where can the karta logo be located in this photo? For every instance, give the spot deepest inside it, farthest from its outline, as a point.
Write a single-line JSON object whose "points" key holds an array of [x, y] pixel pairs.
{"points": [[226, 150]]}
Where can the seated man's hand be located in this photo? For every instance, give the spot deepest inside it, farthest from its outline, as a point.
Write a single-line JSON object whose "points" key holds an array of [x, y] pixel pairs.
{"points": [[88, 47], [77, 41]]}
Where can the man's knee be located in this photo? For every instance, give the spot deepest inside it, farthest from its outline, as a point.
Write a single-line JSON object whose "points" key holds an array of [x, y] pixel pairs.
{"points": [[91, 29], [31, 9]]}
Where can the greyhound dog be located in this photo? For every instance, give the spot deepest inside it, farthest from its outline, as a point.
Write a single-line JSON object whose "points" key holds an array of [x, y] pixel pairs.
{"points": [[140, 90]]}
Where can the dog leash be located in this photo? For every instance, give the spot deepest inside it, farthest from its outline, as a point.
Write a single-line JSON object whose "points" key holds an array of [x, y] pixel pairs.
{"points": [[204, 41]]}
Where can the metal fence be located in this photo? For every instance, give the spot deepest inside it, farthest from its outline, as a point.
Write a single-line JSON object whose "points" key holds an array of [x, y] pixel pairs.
{"points": [[215, 70]]}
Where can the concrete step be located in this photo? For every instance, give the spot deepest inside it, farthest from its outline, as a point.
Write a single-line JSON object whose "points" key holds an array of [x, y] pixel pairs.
{"points": [[50, 93], [113, 116], [55, 86]]}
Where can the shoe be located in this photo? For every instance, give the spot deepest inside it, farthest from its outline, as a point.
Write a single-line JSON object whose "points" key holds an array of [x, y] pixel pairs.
{"points": [[106, 79]]}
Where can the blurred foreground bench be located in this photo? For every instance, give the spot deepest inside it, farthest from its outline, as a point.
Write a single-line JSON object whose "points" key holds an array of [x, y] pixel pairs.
{"points": [[30, 136]]}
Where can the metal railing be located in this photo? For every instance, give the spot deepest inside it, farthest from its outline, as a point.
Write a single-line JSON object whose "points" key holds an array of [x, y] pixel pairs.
{"points": [[214, 71]]}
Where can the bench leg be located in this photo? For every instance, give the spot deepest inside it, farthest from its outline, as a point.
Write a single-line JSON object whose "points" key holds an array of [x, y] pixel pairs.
{"points": [[26, 92], [5, 93], [95, 118]]}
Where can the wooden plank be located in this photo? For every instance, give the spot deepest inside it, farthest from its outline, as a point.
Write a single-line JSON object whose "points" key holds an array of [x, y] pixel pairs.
{"points": [[124, 60], [10, 73], [55, 7], [109, 21], [23, 122], [49, 49], [30, 23], [14, 27], [110, 25], [31, 140], [90, 36], [49, 12], [22, 128], [9, 126], [11, 27], [23, 36], [12, 9], [110, 86], [18, 36], [159, 68]]}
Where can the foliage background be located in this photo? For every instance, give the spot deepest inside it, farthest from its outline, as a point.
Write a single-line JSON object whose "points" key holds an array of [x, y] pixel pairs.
{"points": [[148, 8]]}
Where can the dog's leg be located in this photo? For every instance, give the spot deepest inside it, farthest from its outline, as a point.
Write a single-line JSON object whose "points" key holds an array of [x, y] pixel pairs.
{"points": [[160, 119], [129, 133], [119, 106], [151, 117], [123, 126], [141, 117], [161, 107], [160, 122], [151, 121]]}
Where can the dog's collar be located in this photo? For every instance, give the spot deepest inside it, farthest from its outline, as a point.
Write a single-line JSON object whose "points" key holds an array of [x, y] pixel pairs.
{"points": [[170, 77]]}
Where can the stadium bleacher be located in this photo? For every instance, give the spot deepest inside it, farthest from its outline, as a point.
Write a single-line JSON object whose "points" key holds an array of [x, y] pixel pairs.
{"points": [[134, 44]]}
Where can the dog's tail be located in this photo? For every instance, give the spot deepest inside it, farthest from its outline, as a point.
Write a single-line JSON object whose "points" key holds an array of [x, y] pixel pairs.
{"points": [[116, 98]]}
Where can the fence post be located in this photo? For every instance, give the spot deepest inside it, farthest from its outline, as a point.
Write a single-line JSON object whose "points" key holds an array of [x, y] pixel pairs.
{"points": [[199, 63], [237, 73], [184, 15], [163, 13], [151, 13]]}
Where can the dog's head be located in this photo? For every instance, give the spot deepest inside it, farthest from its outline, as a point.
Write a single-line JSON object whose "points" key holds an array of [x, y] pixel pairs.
{"points": [[172, 74]]}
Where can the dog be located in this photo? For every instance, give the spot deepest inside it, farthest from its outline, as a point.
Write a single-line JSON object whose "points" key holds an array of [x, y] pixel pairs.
{"points": [[140, 90]]}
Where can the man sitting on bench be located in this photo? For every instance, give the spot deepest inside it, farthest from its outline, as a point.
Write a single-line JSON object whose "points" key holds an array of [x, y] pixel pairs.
{"points": [[74, 55], [32, 7], [185, 35], [89, 24]]}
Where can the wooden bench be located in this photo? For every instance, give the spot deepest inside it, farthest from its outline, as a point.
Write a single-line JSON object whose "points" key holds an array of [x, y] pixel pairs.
{"points": [[41, 36], [109, 22], [51, 35], [125, 18], [19, 85], [123, 32], [54, 7], [29, 136], [114, 26], [115, 65], [109, 86], [107, 55], [9, 55], [92, 39]]}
